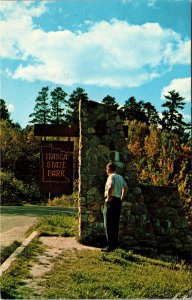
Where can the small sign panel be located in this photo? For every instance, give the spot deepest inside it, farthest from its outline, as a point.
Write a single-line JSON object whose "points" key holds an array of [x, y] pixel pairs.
{"points": [[56, 130], [56, 168]]}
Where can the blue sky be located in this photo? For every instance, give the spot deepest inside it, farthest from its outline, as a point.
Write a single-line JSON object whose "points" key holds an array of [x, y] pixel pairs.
{"points": [[120, 48]]}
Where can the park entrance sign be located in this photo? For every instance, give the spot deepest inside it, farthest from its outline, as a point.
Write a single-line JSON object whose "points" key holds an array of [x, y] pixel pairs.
{"points": [[56, 158], [56, 171]]}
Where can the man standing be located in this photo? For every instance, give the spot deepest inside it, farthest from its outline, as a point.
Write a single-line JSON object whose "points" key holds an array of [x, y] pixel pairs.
{"points": [[115, 192]]}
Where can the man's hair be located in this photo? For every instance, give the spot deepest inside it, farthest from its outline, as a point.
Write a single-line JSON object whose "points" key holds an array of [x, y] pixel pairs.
{"points": [[112, 167]]}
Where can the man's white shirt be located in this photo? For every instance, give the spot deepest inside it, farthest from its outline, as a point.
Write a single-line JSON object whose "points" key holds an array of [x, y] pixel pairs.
{"points": [[117, 183]]}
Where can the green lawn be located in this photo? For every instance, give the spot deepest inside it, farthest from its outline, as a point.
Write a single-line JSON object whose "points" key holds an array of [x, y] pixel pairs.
{"points": [[94, 275], [89, 274]]}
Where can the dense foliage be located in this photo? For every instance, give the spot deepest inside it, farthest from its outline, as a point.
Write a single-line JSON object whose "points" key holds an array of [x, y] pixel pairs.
{"points": [[160, 158]]}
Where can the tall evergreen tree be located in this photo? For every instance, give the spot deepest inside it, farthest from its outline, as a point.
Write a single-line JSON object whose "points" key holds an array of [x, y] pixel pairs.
{"points": [[72, 113], [133, 110], [151, 113], [4, 113], [57, 106], [172, 119], [41, 109], [109, 101]]}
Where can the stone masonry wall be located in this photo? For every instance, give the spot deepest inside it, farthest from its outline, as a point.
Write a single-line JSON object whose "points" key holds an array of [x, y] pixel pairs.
{"points": [[101, 141], [167, 216]]}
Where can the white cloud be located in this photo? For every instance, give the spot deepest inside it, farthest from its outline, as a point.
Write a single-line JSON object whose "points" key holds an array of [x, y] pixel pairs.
{"points": [[180, 85], [16, 25], [181, 53], [10, 107], [114, 54], [17, 9]]}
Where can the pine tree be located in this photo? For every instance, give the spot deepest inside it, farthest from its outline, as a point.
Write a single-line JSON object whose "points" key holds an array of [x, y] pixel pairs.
{"points": [[151, 113], [41, 109], [72, 113], [4, 113], [57, 106], [133, 110], [109, 101], [172, 119]]}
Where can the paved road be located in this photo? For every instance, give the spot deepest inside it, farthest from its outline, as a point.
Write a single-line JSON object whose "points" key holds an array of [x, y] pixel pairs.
{"points": [[16, 220]]}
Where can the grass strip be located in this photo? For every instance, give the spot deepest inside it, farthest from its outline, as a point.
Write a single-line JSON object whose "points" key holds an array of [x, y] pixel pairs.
{"points": [[19, 270], [56, 225]]}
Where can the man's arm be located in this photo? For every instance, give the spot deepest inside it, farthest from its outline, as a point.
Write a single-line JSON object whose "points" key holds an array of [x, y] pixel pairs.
{"points": [[109, 194], [110, 188], [124, 192]]}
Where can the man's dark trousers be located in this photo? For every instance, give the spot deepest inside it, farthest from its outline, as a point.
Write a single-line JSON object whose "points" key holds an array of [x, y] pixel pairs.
{"points": [[111, 213]]}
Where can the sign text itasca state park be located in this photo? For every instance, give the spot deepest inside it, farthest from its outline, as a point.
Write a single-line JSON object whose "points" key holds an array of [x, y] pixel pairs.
{"points": [[56, 167]]}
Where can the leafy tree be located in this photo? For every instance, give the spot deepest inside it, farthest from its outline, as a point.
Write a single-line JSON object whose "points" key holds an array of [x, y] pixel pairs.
{"points": [[152, 143], [27, 164], [4, 113], [137, 131], [109, 101], [172, 119], [41, 109], [160, 158], [11, 146], [13, 190], [72, 113], [57, 108], [16, 125]]}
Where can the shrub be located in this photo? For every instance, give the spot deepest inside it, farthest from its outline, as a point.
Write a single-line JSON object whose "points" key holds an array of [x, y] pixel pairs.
{"points": [[65, 200], [33, 194], [13, 191]]}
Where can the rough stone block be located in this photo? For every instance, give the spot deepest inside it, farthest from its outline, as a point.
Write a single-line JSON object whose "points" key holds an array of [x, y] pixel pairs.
{"points": [[92, 191], [91, 130], [91, 218], [94, 206]]}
